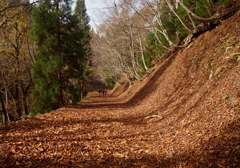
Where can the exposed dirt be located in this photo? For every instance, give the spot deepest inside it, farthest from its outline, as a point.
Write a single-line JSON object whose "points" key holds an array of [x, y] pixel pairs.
{"points": [[185, 114]]}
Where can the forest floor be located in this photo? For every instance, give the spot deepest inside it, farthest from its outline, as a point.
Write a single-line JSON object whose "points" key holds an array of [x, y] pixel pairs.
{"points": [[186, 113]]}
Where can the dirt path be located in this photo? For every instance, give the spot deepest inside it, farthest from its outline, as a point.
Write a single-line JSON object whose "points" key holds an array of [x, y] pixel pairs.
{"points": [[91, 134], [103, 133], [197, 123]]}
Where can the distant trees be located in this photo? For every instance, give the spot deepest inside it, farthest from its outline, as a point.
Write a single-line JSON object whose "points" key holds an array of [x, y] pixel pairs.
{"points": [[122, 44], [137, 34], [62, 41]]}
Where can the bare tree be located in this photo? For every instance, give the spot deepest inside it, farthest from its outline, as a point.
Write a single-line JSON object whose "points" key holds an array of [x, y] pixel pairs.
{"points": [[130, 22]]}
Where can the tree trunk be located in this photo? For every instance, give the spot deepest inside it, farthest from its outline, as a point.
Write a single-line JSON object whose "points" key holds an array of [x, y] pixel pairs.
{"points": [[159, 21], [60, 96], [142, 54], [81, 90], [5, 116], [155, 34], [193, 23], [133, 56], [6, 105], [172, 9]]}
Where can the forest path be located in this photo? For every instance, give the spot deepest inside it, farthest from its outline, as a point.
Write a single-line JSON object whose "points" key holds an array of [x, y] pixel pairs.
{"points": [[198, 123], [98, 132]]}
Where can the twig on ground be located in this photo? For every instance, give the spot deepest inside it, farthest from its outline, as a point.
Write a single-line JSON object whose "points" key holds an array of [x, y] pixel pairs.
{"points": [[153, 116]]}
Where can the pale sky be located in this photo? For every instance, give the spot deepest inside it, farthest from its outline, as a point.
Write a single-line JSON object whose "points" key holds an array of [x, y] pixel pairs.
{"points": [[94, 10]]}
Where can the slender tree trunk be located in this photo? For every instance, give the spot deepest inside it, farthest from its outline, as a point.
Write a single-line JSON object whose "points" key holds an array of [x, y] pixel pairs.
{"points": [[24, 98], [142, 54], [133, 56], [4, 112], [193, 23], [172, 9], [81, 88], [123, 64], [6, 105], [134, 69], [155, 34], [60, 99], [163, 31]]}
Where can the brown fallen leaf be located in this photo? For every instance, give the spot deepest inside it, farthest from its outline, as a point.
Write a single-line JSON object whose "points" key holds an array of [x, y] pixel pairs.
{"points": [[145, 166], [221, 166], [41, 149], [211, 151], [118, 155]]}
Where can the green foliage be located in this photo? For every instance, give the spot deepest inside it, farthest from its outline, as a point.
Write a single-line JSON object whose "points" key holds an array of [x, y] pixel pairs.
{"points": [[25, 116], [170, 22], [218, 70], [110, 82], [225, 97], [175, 30], [179, 27], [147, 59], [221, 2], [47, 60], [153, 48], [204, 8], [233, 54], [62, 41]]}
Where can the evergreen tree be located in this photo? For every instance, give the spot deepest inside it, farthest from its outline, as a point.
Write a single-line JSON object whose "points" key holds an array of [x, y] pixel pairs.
{"points": [[47, 63], [80, 13], [59, 62]]}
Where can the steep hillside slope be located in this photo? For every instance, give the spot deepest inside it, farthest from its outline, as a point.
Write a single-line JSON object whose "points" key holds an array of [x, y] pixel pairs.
{"points": [[185, 114]]}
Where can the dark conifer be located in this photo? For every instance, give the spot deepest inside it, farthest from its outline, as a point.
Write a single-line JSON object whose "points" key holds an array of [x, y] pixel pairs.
{"points": [[61, 56]]}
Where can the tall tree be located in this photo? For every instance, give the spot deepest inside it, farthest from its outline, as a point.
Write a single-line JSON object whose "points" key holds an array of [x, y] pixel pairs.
{"points": [[59, 62], [80, 12]]}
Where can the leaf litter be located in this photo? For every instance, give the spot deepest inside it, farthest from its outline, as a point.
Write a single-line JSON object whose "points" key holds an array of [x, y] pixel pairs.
{"points": [[176, 117]]}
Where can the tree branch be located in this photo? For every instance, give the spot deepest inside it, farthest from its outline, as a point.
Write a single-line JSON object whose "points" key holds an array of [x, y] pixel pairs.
{"points": [[14, 15], [201, 19]]}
